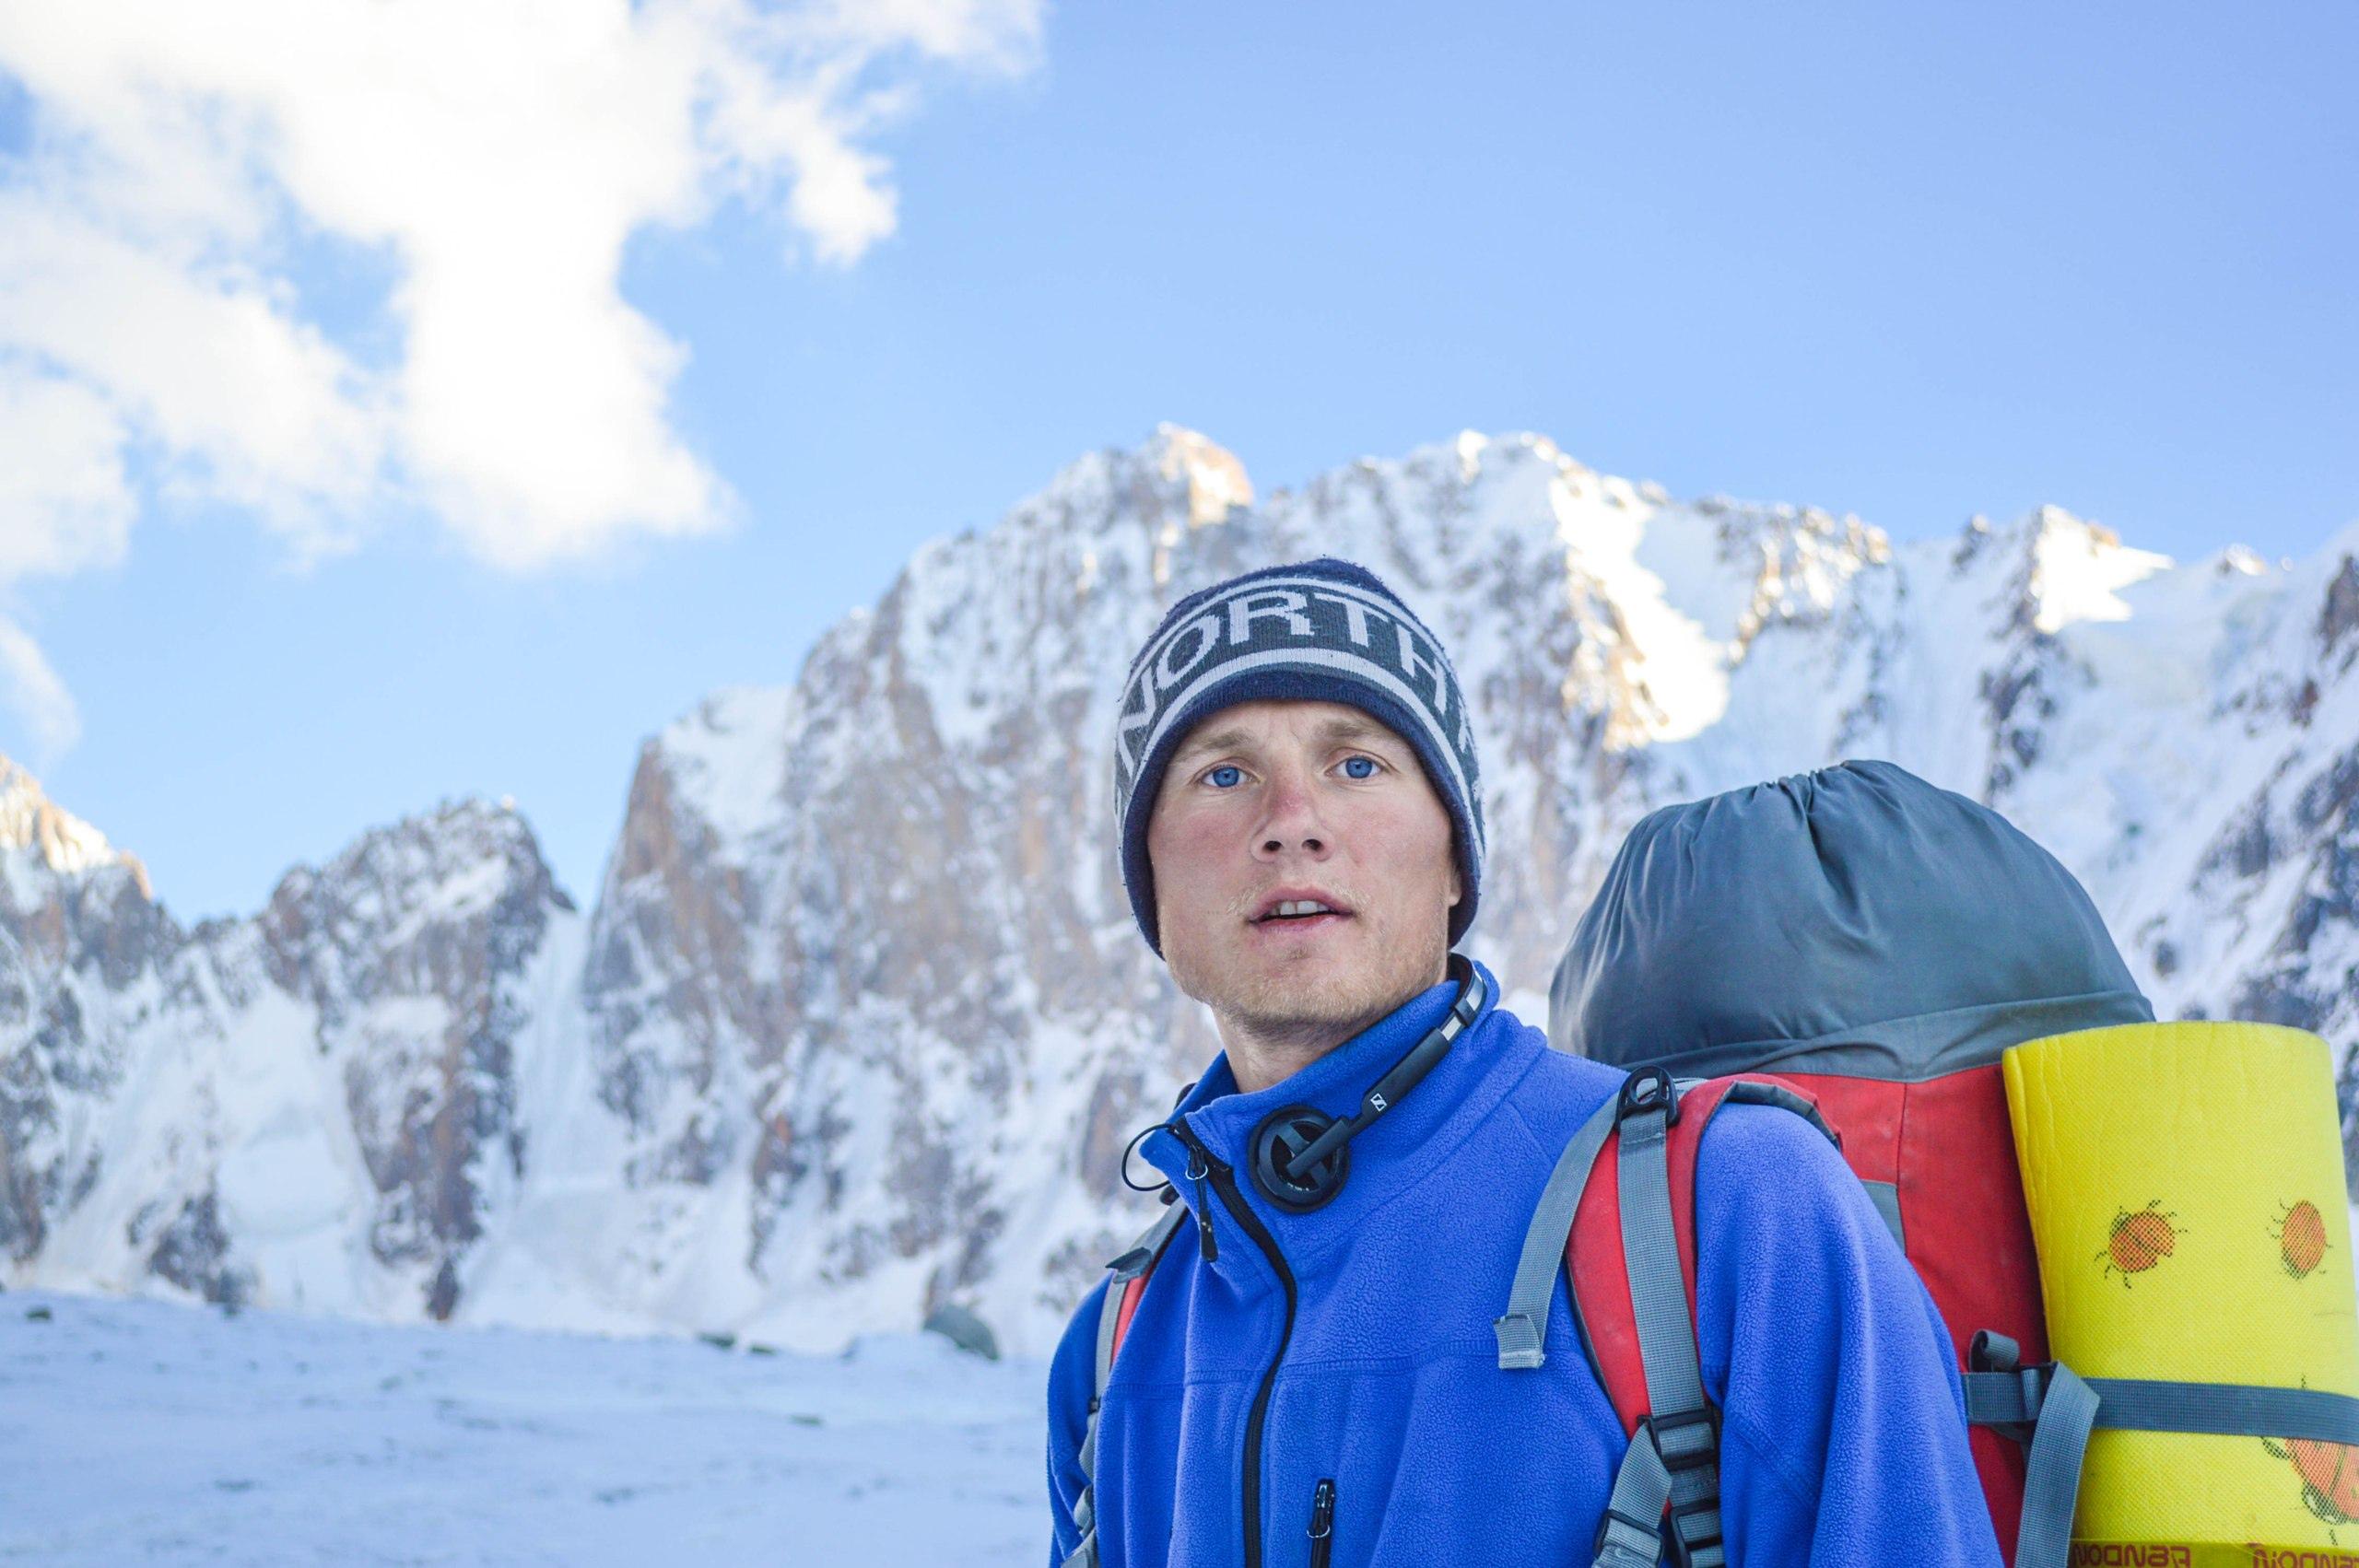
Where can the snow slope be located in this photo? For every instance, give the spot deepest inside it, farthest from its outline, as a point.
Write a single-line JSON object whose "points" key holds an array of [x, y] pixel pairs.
{"points": [[150, 1433]]}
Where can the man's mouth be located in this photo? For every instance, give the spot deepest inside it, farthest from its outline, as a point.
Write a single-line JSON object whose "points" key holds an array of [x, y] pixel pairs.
{"points": [[1298, 913]]}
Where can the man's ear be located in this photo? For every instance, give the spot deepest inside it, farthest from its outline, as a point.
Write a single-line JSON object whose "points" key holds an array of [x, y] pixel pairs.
{"points": [[1457, 888]]}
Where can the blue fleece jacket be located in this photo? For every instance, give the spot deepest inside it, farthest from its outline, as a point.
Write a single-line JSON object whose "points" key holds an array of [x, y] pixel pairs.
{"points": [[1843, 1438]]}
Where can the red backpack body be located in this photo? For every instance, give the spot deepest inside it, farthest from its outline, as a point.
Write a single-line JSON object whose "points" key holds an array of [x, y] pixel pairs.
{"points": [[1870, 946], [1938, 1160], [1862, 948]]}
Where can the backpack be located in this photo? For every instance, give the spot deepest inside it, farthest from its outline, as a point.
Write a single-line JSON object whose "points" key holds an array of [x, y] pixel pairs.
{"points": [[1860, 949], [1617, 1218], [1842, 961]]}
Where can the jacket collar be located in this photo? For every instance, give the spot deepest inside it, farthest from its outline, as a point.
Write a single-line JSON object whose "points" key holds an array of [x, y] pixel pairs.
{"points": [[1393, 1154]]}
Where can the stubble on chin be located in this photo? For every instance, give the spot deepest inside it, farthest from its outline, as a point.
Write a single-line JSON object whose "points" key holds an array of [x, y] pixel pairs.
{"points": [[1310, 1007]]}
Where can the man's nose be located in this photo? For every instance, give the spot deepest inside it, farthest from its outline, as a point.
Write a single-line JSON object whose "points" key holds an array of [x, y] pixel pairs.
{"points": [[1294, 824]]}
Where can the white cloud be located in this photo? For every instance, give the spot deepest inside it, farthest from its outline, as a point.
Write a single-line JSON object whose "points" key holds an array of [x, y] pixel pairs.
{"points": [[189, 162], [33, 688], [63, 504]]}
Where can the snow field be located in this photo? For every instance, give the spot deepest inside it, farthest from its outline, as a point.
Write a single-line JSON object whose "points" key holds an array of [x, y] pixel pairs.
{"points": [[147, 1431]]}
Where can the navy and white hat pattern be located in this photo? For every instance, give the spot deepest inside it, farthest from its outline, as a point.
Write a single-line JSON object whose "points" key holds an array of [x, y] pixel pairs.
{"points": [[1326, 630]]}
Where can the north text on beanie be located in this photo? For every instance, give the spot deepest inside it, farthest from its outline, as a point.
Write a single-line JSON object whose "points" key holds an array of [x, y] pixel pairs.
{"points": [[1325, 630]]}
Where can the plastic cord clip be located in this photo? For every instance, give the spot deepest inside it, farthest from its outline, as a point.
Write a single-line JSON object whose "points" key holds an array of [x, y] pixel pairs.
{"points": [[1648, 1089]]}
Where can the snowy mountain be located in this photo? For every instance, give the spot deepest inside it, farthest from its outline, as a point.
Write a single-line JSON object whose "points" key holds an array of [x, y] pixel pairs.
{"points": [[859, 1025], [321, 1105]]}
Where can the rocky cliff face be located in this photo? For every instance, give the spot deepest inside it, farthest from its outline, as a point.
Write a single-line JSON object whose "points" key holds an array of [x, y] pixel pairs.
{"points": [[84, 941], [317, 1106], [859, 1023]]}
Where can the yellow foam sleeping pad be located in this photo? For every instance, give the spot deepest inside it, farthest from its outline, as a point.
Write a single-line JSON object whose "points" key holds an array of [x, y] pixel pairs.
{"points": [[2186, 1190]]}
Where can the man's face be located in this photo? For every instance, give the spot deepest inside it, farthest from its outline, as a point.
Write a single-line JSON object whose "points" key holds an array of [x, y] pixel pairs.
{"points": [[1272, 805]]}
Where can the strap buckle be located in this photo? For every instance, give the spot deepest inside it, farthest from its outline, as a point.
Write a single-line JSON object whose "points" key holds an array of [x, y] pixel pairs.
{"points": [[1636, 1542], [1692, 1541], [1686, 1440], [1648, 1089], [1703, 1548]]}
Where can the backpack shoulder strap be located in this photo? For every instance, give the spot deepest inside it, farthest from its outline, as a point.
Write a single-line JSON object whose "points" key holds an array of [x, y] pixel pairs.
{"points": [[1122, 1303], [1624, 1228]]}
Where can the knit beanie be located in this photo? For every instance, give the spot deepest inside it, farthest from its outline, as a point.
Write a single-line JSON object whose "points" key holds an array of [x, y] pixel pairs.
{"points": [[1326, 630]]}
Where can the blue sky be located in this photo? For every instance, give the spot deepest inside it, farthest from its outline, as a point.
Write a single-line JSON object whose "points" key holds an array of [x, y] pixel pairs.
{"points": [[1911, 262]]}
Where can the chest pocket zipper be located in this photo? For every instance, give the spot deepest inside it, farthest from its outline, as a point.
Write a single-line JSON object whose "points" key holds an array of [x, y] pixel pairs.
{"points": [[1323, 1524]]}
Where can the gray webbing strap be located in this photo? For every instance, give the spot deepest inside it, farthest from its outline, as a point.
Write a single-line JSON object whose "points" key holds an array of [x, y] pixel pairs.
{"points": [[2138, 1404], [1681, 1429], [1885, 1195], [1673, 1459], [2225, 1410], [2052, 1472], [1526, 1323], [2060, 1407], [1137, 1260], [1109, 1321], [1631, 1534], [1086, 1519]]}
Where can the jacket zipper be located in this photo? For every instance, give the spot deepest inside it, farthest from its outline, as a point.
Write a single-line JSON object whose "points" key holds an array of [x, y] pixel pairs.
{"points": [[1323, 1524], [1224, 1181], [1198, 1168]]}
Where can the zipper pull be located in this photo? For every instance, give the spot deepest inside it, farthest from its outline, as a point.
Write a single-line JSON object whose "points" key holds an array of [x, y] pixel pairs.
{"points": [[1322, 1523], [1198, 1169], [1199, 1166]]}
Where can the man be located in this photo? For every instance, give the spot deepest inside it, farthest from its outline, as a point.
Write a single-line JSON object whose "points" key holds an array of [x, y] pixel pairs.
{"points": [[1311, 1374]]}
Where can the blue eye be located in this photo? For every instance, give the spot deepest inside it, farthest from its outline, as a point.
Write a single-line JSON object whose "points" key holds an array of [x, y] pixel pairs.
{"points": [[1359, 767], [1225, 775]]}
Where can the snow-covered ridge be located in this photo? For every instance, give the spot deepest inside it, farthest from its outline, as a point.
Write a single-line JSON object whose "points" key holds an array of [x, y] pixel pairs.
{"points": [[858, 1023], [37, 835]]}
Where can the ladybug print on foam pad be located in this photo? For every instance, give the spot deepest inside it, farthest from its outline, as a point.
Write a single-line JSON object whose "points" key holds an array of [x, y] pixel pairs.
{"points": [[2301, 1237], [2140, 1240], [2329, 1473]]}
